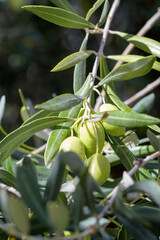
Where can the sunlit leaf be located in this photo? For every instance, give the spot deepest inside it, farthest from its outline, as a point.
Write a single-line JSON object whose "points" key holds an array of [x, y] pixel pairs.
{"points": [[126, 119], [96, 5], [132, 58], [59, 16], [129, 70], [13, 140], [72, 60], [146, 44]]}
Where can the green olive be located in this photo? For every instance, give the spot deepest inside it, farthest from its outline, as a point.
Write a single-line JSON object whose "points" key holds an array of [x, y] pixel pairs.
{"points": [[99, 167], [92, 136], [75, 145], [109, 128]]}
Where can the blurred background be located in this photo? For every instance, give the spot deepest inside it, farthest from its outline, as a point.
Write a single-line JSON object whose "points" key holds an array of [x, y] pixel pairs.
{"points": [[30, 47]]}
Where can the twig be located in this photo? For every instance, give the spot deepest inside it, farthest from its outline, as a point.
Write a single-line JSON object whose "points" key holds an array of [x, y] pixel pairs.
{"points": [[137, 165], [143, 92], [148, 25], [100, 51]]}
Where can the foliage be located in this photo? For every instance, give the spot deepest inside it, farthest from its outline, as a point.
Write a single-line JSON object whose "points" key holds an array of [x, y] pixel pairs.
{"points": [[52, 194]]}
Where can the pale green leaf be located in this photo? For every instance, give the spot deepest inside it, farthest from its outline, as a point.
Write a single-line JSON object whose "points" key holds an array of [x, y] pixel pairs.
{"points": [[8, 178], [2, 107], [132, 58], [96, 5], [59, 16], [146, 44], [129, 71], [126, 119], [61, 103], [72, 60], [145, 104], [63, 4], [13, 140], [155, 128], [104, 14], [80, 68]]}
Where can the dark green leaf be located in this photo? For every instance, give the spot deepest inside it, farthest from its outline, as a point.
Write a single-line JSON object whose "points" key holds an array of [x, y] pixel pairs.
{"points": [[146, 44], [27, 162], [126, 119], [123, 234], [129, 71], [61, 103], [150, 187], [60, 17], [145, 104], [63, 4], [10, 143], [148, 214], [106, 235], [29, 189], [8, 178], [55, 179], [2, 107], [96, 5], [72, 60], [104, 14], [80, 68], [128, 217], [59, 133], [132, 58], [122, 151]]}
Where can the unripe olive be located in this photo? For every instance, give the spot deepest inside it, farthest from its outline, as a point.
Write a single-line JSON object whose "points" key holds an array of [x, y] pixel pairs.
{"points": [[99, 167], [75, 145], [92, 136], [109, 128]]}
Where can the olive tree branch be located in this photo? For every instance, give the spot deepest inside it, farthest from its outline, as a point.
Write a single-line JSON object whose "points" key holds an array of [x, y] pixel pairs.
{"points": [[148, 25], [100, 51], [143, 92]]}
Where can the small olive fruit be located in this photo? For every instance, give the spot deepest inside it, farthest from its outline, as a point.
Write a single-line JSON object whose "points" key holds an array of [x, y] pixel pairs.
{"points": [[109, 128], [75, 145], [92, 136], [99, 167]]}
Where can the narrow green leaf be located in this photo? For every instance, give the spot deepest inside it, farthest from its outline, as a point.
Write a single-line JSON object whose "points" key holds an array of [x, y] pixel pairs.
{"points": [[96, 5], [84, 90], [117, 101], [29, 189], [72, 60], [104, 13], [146, 44], [129, 71], [145, 104], [122, 151], [59, 133], [40, 114], [2, 107], [18, 213], [55, 179], [80, 68], [154, 140], [8, 178], [150, 187], [128, 217], [148, 214], [60, 17], [61, 103], [13, 140], [133, 58], [155, 128], [63, 4], [126, 119]]}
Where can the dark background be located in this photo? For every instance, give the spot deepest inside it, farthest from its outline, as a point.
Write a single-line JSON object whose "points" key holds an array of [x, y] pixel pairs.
{"points": [[30, 47]]}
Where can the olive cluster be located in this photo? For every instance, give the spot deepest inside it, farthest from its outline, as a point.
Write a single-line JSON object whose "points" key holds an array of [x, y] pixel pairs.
{"points": [[89, 143]]}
